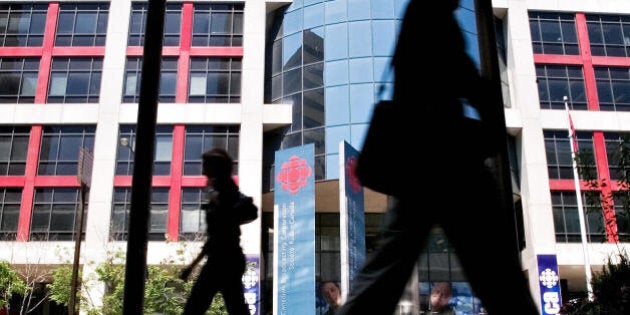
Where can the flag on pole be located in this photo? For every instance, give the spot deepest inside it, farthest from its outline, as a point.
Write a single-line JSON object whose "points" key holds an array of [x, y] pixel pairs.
{"points": [[578, 197]]}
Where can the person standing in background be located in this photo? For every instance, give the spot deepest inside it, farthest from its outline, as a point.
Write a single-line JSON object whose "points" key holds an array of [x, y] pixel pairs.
{"points": [[332, 294], [441, 296]]}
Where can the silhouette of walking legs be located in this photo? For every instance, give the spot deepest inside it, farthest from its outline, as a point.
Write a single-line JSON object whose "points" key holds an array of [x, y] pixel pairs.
{"points": [[220, 274], [381, 281]]}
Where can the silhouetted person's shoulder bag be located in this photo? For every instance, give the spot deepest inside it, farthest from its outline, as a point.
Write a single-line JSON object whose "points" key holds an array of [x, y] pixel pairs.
{"points": [[246, 209], [377, 157]]}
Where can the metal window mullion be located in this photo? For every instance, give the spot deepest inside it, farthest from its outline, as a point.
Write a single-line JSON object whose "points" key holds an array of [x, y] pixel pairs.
{"points": [[601, 33], [562, 41], [231, 34], [546, 69], [539, 26], [21, 75], [49, 203], [557, 141]]}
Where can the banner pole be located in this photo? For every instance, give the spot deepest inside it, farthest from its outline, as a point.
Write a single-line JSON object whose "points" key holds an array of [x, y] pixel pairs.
{"points": [[578, 197]]}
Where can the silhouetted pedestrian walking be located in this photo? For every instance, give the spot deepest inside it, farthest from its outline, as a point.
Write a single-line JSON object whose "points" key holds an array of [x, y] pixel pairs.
{"points": [[225, 262], [432, 74]]}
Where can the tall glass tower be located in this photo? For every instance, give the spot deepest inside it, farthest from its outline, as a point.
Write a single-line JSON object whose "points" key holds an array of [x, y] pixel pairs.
{"points": [[328, 58]]}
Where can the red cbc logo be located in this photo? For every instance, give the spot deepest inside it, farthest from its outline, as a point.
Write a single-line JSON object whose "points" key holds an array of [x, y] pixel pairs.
{"points": [[351, 174], [293, 174]]}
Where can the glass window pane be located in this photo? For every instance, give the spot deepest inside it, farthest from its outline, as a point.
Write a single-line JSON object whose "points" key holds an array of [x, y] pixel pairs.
{"points": [[238, 23], [29, 84], [69, 147], [172, 22], [336, 73], [214, 142], [360, 39], [384, 37], [62, 221], [130, 84], [360, 70], [158, 220], [39, 222], [197, 84], [136, 25], [292, 51], [594, 33], [314, 16], [550, 31], [217, 83], [292, 22], [193, 147], [168, 83], [58, 83], [276, 62], [612, 34], [20, 148], [163, 148], [5, 148], [38, 22], [201, 23], [235, 84], [336, 42], [292, 81], [86, 23], [568, 31], [65, 23], [313, 45], [314, 108], [10, 84], [101, 24], [221, 23], [95, 84], [78, 83]]}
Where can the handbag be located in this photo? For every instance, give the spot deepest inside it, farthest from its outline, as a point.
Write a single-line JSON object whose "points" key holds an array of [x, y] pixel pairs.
{"points": [[246, 209], [377, 156]]}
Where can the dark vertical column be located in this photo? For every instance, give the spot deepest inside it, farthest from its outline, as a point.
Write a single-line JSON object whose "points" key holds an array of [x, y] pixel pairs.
{"points": [[135, 268], [78, 232], [490, 70]]}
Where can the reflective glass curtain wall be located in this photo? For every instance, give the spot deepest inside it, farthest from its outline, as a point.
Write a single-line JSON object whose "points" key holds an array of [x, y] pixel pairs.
{"points": [[328, 59]]}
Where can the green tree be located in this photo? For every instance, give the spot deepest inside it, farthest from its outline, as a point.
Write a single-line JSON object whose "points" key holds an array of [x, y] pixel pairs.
{"points": [[10, 284], [30, 293], [60, 287], [165, 293], [611, 289]]}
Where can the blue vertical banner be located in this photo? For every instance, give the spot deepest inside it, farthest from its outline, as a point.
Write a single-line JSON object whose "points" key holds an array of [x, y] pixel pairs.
{"points": [[351, 217], [251, 284], [294, 231], [549, 281]]}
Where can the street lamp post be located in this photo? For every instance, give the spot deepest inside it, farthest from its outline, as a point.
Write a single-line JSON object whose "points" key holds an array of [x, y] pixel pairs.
{"points": [[84, 176], [124, 141]]}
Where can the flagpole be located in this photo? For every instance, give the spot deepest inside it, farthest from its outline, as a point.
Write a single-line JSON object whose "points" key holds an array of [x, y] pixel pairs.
{"points": [[578, 195]]}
